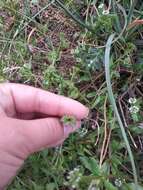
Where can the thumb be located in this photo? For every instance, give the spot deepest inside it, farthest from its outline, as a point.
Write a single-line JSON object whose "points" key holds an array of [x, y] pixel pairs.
{"points": [[42, 133]]}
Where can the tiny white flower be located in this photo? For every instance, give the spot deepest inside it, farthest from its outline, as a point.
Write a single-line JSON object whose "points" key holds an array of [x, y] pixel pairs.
{"points": [[68, 177], [118, 182], [78, 179], [73, 186], [71, 172], [138, 79], [91, 62], [132, 100], [89, 65], [101, 6], [134, 109], [105, 12], [76, 169]]}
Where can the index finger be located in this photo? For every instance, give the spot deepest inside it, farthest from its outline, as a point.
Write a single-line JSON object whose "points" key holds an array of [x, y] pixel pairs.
{"points": [[29, 99]]}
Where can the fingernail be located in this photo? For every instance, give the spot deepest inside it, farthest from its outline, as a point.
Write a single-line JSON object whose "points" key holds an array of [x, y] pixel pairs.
{"points": [[68, 129]]}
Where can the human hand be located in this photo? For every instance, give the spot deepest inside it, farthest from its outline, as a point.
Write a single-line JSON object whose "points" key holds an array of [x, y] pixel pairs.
{"points": [[29, 122]]}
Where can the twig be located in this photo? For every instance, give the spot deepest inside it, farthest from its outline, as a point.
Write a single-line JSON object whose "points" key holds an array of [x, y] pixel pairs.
{"points": [[122, 113], [105, 134], [30, 34], [132, 139], [107, 144]]}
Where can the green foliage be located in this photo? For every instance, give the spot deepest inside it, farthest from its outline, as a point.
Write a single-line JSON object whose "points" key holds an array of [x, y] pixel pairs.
{"points": [[90, 58], [109, 186], [82, 28], [104, 24], [52, 78], [26, 73], [91, 164], [55, 54]]}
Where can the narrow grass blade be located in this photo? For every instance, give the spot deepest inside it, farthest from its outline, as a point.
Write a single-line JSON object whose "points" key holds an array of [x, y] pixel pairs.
{"points": [[132, 30], [131, 10], [112, 100], [117, 20], [125, 23]]}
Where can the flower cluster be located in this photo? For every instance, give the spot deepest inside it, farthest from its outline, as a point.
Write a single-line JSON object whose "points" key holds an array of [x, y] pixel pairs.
{"points": [[134, 107], [74, 178], [103, 10], [101, 6], [132, 100], [118, 182]]}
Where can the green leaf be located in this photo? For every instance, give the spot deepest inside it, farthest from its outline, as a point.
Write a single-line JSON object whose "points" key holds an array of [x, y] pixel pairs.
{"points": [[50, 186], [63, 43], [109, 186], [54, 56], [91, 94], [36, 186], [105, 169], [91, 164], [132, 186]]}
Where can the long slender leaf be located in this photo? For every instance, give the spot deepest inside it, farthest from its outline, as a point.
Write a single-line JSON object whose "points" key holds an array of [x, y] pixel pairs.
{"points": [[112, 100], [132, 6]]}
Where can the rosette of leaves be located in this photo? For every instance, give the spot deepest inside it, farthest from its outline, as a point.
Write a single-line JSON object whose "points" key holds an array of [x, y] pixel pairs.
{"points": [[68, 120]]}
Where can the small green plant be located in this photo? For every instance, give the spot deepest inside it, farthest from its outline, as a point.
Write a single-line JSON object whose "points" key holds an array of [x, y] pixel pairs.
{"points": [[25, 73], [68, 120], [55, 54]]}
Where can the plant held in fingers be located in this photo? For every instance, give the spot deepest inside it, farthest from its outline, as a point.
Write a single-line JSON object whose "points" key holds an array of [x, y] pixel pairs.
{"points": [[68, 120]]}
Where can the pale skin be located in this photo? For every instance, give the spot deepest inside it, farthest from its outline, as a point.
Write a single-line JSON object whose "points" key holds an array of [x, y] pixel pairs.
{"points": [[30, 122]]}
